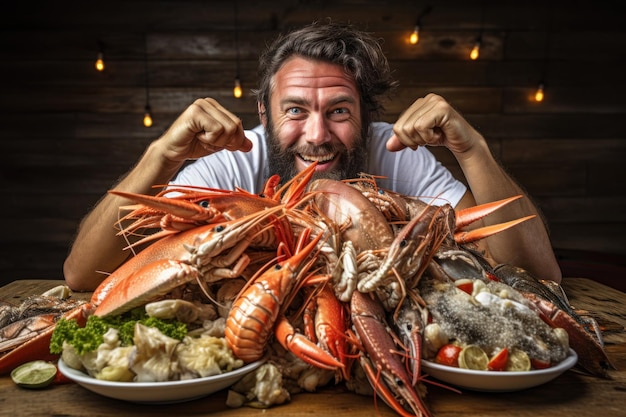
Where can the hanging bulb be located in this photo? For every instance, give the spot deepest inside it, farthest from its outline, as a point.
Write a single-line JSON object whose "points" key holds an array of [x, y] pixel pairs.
{"points": [[539, 95], [237, 92], [147, 117], [100, 62], [415, 36], [475, 51]]}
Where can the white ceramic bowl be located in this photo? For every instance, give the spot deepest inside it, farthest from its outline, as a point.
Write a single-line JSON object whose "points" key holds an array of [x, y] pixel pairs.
{"points": [[158, 392], [493, 381]]}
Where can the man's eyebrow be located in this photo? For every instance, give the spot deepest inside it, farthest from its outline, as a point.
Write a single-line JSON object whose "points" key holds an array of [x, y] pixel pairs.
{"points": [[343, 99], [300, 101], [292, 100]]}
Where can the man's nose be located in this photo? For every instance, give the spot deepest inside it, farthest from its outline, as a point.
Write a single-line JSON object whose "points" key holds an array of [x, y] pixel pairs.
{"points": [[317, 131]]}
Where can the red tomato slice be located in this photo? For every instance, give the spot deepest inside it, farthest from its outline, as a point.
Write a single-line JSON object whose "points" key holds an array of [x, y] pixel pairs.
{"points": [[492, 277], [449, 355], [499, 361], [59, 378], [467, 287], [539, 364]]}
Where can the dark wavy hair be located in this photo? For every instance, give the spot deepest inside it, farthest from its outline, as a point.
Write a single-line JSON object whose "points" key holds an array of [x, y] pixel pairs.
{"points": [[358, 52]]}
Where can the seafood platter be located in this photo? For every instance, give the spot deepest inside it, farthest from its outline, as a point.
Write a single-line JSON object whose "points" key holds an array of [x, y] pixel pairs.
{"points": [[311, 283]]}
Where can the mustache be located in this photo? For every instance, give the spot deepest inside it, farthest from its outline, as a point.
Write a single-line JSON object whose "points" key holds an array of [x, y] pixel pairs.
{"points": [[317, 150]]}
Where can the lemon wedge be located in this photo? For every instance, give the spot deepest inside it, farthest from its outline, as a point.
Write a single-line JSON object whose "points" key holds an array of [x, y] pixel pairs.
{"points": [[473, 357], [518, 361], [35, 374]]}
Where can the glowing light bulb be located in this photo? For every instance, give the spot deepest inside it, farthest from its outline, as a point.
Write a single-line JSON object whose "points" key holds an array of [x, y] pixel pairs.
{"points": [[237, 92], [147, 117], [539, 95], [475, 51], [100, 62], [415, 36]]}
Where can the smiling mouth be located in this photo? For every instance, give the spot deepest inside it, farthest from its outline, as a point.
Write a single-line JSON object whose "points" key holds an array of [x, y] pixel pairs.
{"points": [[320, 159]]}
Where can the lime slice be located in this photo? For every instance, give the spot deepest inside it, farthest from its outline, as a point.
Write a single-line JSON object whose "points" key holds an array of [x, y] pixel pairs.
{"points": [[473, 357], [518, 361], [35, 374]]}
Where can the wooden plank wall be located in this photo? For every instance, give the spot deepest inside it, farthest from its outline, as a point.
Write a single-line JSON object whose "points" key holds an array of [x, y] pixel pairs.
{"points": [[68, 132]]}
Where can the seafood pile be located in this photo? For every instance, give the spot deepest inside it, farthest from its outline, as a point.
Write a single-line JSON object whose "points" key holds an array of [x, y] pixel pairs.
{"points": [[25, 328], [336, 282]]}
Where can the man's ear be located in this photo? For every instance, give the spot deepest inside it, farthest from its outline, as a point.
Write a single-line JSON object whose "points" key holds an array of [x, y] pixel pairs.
{"points": [[262, 114]]}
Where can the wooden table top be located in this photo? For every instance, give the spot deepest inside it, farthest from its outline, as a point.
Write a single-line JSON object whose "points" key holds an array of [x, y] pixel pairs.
{"points": [[572, 393]]}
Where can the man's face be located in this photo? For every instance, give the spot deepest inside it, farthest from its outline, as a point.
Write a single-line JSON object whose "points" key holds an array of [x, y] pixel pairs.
{"points": [[314, 115]]}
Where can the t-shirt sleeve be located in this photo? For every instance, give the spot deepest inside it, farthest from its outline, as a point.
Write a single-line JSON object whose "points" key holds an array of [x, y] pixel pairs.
{"points": [[415, 173]]}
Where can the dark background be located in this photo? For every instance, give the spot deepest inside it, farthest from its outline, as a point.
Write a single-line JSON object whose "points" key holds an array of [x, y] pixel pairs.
{"points": [[68, 132]]}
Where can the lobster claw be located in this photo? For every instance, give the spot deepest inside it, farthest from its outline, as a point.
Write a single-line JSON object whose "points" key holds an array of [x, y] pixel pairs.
{"points": [[470, 215], [147, 283], [483, 232], [303, 348]]}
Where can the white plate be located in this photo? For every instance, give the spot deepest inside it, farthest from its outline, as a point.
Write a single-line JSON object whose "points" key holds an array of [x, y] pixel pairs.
{"points": [[493, 381], [158, 392]]}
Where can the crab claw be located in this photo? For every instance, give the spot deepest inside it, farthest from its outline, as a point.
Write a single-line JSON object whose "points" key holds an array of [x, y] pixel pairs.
{"points": [[303, 348], [483, 232]]}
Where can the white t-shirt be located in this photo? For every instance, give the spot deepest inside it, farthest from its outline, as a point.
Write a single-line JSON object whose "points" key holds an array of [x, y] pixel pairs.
{"points": [[413, 173]]}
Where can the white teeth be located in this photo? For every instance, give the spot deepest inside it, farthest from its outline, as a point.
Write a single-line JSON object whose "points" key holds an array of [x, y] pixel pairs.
{"points": [[322, 159]]}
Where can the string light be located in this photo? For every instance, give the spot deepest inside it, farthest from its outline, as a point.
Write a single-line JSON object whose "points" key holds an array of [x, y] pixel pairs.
{"points": [[100, 58], [100, 62], [540, 93], [237, 91], [147, 117], [415, 36], [475, 53], [539, 96]]}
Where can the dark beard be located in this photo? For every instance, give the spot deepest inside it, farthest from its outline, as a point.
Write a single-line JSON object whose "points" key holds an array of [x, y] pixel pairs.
{"points": [[283, 161]]}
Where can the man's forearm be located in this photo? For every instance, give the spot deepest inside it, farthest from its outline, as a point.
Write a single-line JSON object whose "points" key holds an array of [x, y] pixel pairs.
{"points": [[526, 245], [97, 250]]}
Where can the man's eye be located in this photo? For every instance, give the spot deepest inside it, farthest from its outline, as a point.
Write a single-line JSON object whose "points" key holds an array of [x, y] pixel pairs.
{"points": [[294, 111], [340, 114]]}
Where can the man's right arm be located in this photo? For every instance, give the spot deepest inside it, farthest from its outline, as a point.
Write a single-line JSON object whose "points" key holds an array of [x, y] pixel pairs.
{"points": [[202, 129], [97, 250]]}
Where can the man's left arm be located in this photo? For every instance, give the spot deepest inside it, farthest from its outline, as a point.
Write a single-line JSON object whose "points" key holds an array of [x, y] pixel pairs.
{"points": [[432, 121]]}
